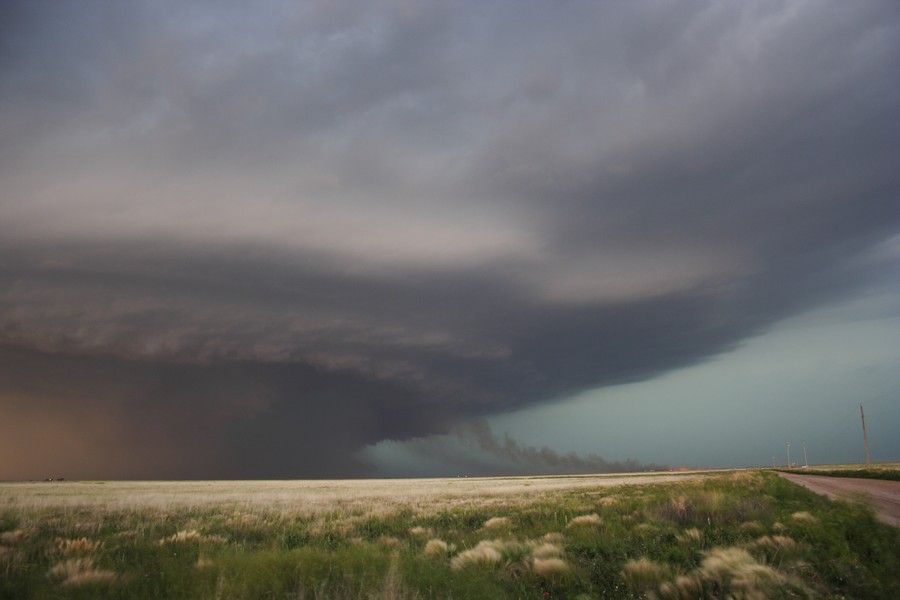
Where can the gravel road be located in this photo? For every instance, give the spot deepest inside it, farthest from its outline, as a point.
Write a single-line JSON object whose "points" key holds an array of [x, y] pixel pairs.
{"points": [[885, 495]]}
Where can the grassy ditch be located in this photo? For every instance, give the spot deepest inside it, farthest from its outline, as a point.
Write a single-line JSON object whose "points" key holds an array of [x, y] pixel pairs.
{"points": [[885, 474], [741, 535]]}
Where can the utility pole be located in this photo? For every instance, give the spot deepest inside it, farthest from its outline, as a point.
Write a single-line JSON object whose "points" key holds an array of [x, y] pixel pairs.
{"points": [[862, 416], [805, 460], [789, 455], [773, 461]]}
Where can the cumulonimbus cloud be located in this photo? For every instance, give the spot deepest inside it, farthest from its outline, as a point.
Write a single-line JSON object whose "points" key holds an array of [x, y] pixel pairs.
{"points": [[272, 240]]}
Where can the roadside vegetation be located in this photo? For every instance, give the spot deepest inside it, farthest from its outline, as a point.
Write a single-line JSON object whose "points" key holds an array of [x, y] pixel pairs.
{"points": [[890, 473], [747, 534]]}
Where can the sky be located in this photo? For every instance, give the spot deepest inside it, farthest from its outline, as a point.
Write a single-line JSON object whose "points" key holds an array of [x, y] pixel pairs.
{"points": [[395, 238]]}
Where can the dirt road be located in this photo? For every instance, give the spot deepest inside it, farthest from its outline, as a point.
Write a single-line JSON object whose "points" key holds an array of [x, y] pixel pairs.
{"points": [[885, 495]]}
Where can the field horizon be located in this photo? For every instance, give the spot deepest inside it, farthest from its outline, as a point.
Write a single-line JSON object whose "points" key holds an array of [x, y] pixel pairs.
{"points": [[702, 534]]}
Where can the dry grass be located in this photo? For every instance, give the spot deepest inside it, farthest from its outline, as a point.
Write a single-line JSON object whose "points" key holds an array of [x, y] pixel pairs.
{"points": [[308, 497], [737, 570], [689, 536], [777, 542], [727, 572], [679, 507], [78, 547], [191, 536], [14, 537], [804, 517], [419, 531], [496, 523], [644, 575], [389, 541], [548, 567], [592, 519], [546, 550], [80, 571], [751, 527], [487, 552], [435, 548]]}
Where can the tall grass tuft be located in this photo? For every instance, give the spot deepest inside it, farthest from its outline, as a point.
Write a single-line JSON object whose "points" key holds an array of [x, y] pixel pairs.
{"points": [[80, 571], [496, 523], [734, 572], [585, 520], [436, 548], [486, 553], [644, 576], [549, 567], [78, 547]]}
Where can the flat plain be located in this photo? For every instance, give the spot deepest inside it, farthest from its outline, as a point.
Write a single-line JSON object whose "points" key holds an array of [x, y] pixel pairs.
{"points": [[739, 534]]}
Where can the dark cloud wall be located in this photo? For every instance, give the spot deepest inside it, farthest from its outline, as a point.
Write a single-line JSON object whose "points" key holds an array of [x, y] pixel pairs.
{"points": [[248, 241]]}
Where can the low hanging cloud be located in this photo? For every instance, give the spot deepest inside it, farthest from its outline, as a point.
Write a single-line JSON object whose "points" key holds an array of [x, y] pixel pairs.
{"points": [[241, 243], [541, 460], [472, 448]]}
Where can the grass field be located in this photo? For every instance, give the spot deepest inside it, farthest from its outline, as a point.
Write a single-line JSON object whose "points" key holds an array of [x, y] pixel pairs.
{"points": [[887, 471], [744, 534]]}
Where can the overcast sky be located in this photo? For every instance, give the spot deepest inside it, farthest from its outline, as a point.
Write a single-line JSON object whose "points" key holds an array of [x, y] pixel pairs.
{"points": [[388, 238]]}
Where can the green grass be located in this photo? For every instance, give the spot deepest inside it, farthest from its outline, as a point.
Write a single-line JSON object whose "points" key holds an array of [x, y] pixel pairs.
{"points": [[890, 474], [742, 534]]}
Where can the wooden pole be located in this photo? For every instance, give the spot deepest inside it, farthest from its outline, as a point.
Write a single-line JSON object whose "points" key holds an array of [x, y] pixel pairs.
{"points": [[862, 416]]}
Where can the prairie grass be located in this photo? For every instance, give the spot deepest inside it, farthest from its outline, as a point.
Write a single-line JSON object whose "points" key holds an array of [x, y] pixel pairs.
{"points": [[437, 548], [887, 471], [582, 520], [80, 571], [496, 523], [747, 534], [549, 567], [78, 547]]}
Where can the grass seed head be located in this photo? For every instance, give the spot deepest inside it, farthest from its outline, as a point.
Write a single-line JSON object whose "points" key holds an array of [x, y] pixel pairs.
{"points": [[689, 536], [485, 553], [78, 547], [720, 564], [496, 523], [751, 527], [592, 519], [804, 517], [436, 548], [388, 541], [688, 587], [548, 567], [80, 571], [546, 550], [191, 536], [644, 575], [14, 537]]}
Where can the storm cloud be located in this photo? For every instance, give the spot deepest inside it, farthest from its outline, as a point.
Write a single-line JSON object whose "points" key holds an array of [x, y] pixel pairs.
{"points": [[249, 241]]}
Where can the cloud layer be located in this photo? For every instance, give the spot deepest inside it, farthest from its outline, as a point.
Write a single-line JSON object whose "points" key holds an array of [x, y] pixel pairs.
{"points": [[266, 238]]}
